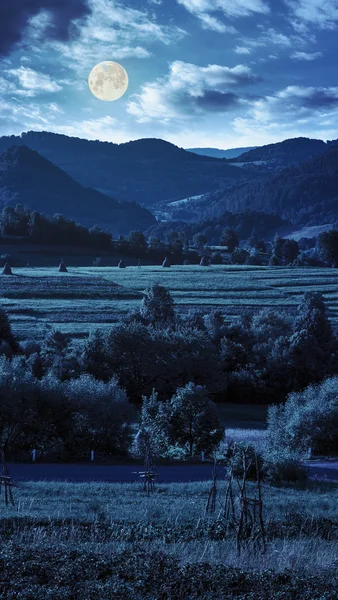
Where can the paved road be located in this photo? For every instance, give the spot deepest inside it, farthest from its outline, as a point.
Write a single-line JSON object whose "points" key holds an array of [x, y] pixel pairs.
{"points": [[125, 473]]}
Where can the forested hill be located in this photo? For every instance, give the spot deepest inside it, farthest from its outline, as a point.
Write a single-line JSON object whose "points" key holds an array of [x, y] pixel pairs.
{"points": [[306, 194], [288, 152], [29, 179], [145, 171], [217, 153]]}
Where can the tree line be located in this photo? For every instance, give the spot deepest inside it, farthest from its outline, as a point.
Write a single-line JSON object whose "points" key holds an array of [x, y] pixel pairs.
{"points": [[64, 398]]}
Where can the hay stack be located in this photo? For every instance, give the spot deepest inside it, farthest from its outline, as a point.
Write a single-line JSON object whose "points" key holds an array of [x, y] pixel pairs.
{"points": [[205, 261], [166, 263], [121, 264], [62, 267], [7, 269]]}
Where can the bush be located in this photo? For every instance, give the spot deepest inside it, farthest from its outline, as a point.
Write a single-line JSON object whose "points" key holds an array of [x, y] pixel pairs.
{"points": [[216, 258], [157, 306], [239, 256], [308, 419], [274, 261], [282, 467]]}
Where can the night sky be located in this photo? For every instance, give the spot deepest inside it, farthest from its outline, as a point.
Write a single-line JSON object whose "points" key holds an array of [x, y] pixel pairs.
{"points": [[220, 73]]}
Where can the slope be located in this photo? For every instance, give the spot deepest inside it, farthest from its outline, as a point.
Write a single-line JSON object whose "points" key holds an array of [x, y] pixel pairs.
{"points": [[29, 179], [306, 194], [283, 154]]}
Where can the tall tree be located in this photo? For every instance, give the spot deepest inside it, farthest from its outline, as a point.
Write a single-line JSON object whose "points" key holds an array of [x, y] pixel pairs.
{"points": [[194, 420], [328, 246], [229, 238], [158, 306]]}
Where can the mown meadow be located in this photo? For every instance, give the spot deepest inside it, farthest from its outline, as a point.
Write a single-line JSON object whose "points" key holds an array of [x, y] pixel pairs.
{"points": [[109, 541], [87, 298]]}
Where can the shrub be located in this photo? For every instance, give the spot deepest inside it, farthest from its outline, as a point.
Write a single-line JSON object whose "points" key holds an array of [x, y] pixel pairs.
{"points": [[102, 415], [239, 256], [98, 262], [154, 420], [157, 305], [309, 419], [283, 467], [253, 259], [216, 258], [274, 261]]}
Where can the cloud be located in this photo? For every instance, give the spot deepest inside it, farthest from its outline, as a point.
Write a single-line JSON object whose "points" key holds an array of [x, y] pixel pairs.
{"points": [[116, 30], [203, 9], [16, 14], [89, 128], [33, 82], [323, 14], [26, 116], [306, 55], [188, 91], [310, 97], [242, 50], [291, 112]]}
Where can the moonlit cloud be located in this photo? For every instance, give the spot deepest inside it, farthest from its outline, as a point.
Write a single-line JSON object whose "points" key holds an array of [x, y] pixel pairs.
{"points": [[306, 55], [112, 29], [229, 8], [33, 81], [301, 110], [189, 90], [105, 128]]}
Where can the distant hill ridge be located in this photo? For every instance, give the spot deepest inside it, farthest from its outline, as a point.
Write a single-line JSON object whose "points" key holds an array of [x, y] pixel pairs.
{"points": [[146, 171], [306, 194], [30, 179], [282, 154], [218, 153]]}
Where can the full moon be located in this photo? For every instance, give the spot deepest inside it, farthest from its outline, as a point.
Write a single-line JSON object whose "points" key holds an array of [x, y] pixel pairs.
{"points": [[108, 81]]}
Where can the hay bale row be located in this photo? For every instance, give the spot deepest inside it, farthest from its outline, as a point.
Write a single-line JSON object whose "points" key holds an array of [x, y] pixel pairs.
{"points": [[7, 270]]}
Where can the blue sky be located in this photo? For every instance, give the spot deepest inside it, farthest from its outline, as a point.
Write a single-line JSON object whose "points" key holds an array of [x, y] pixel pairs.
{"points": [[220, 73]]}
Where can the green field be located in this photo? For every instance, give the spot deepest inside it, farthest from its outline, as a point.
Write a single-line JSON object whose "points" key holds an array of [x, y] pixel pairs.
{"points": [[100, 541], [86, 298]]}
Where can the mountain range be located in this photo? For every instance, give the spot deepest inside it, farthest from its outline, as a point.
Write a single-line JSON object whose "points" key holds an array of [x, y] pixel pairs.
{"points": [[29, 179], [96, 182], [146, 171]]}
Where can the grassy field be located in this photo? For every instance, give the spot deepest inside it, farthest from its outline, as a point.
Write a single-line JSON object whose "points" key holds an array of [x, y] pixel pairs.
{"points": [[112, 541], [87, 298]]}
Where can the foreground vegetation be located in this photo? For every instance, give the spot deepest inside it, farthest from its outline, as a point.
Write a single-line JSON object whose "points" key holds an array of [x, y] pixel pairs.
{"points": [[109, 541]]}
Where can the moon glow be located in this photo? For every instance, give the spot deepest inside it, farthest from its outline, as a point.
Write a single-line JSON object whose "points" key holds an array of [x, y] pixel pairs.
{"points": [[108, 81]]}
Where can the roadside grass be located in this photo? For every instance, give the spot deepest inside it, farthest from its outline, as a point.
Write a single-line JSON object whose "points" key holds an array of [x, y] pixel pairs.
{"points": [[89, 298], [59, 531]]}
